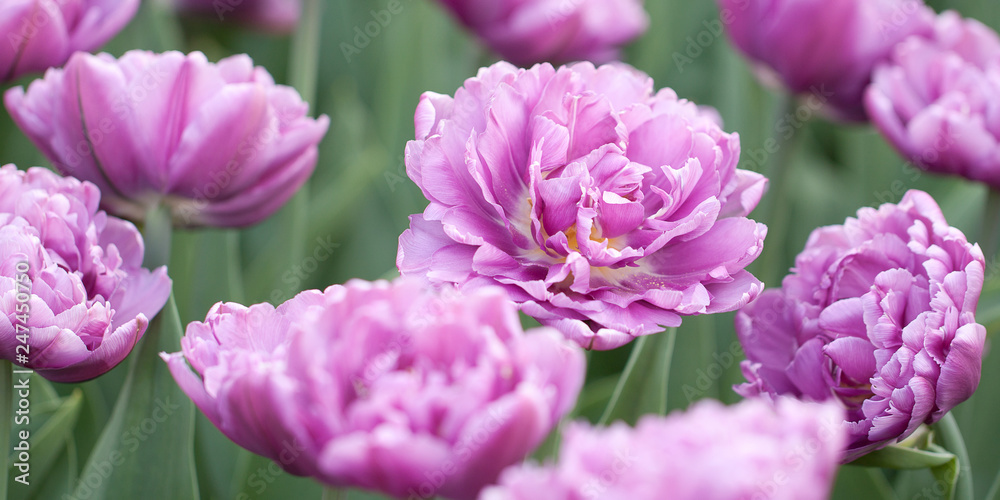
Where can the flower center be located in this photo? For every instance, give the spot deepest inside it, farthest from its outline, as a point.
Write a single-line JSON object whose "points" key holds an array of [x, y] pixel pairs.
{"points": [[575, 245]]}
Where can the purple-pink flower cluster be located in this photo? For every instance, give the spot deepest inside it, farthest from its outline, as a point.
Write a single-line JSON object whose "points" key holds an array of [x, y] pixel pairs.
{"points": [[603, 208], [40, 34], [526, 32], [818, 46], [879, 314], [936, 99], [752, 450], [382, 386], [218, 143], [86, 297]]}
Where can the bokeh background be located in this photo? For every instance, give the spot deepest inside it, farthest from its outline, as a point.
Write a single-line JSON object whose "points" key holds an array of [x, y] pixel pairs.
{"points": [[359, 198]]}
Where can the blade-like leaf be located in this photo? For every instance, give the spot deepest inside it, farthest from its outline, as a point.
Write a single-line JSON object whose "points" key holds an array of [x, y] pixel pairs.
{"points": [[49, 441], [146, 450], [947, 475], [898, 457]]}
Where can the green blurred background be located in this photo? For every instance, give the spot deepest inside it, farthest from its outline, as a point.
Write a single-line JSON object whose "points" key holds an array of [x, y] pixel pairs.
{"points": [[359, 198]]}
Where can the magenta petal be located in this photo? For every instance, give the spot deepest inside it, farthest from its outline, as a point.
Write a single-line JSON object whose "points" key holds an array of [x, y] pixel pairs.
{"points": [[618, 216], [749, 188], [766, 330], [801, 371], [418, 244], [855, 356], [191, 385], [961, 370], [845, 317], [113, 349], [512, 427]]}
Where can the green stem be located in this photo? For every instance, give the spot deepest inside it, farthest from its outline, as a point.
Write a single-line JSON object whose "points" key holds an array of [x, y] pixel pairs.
{"points": [[991, 226], [235, 268], [303, 72], [169, 35], [334, 494], [951, 438], [557, 442], [776, 212], [304, 57], [7, 411], [881, 483], [994, 492], [668, 356], [156, 234], [623, 379]]}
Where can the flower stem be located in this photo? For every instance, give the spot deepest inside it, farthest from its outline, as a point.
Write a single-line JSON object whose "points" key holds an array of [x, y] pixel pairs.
{"points": [[881, 483], [623, 379], [234, 260], [990, 232], [951, 438], [665, 362], [166, 28], [994, 492], [304, 57], [156, 234], [334, 494], [7, 412], [303, 72], [776, 212]]}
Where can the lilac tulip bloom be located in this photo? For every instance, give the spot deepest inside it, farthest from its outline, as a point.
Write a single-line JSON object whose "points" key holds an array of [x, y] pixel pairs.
{"points": [[220, 144], [878, 314], [74, 297], [381, 386], [937, 100], [604, 209], [748, 451], [526, 32], [40, 34], [827, 49]]}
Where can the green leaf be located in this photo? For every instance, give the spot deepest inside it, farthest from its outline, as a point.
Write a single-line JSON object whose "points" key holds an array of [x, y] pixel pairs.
{"points": [[862, 482], [259, 478], [947, 476], [50, 440], [146, 450], [898, 457], [644, 389]]}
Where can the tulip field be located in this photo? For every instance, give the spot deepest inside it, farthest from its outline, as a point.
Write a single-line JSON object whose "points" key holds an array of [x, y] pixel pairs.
{"points": [[500, 249]]}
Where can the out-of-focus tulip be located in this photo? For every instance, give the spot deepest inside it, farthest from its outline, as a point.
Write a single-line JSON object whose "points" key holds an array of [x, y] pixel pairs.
{"points": [[878, 314], [604, 209], [40, 34], [277, 16], [824, 48], [937, 100], [748, 451], [382, 386], [526, 32], [73, 293], [220, 144]]}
